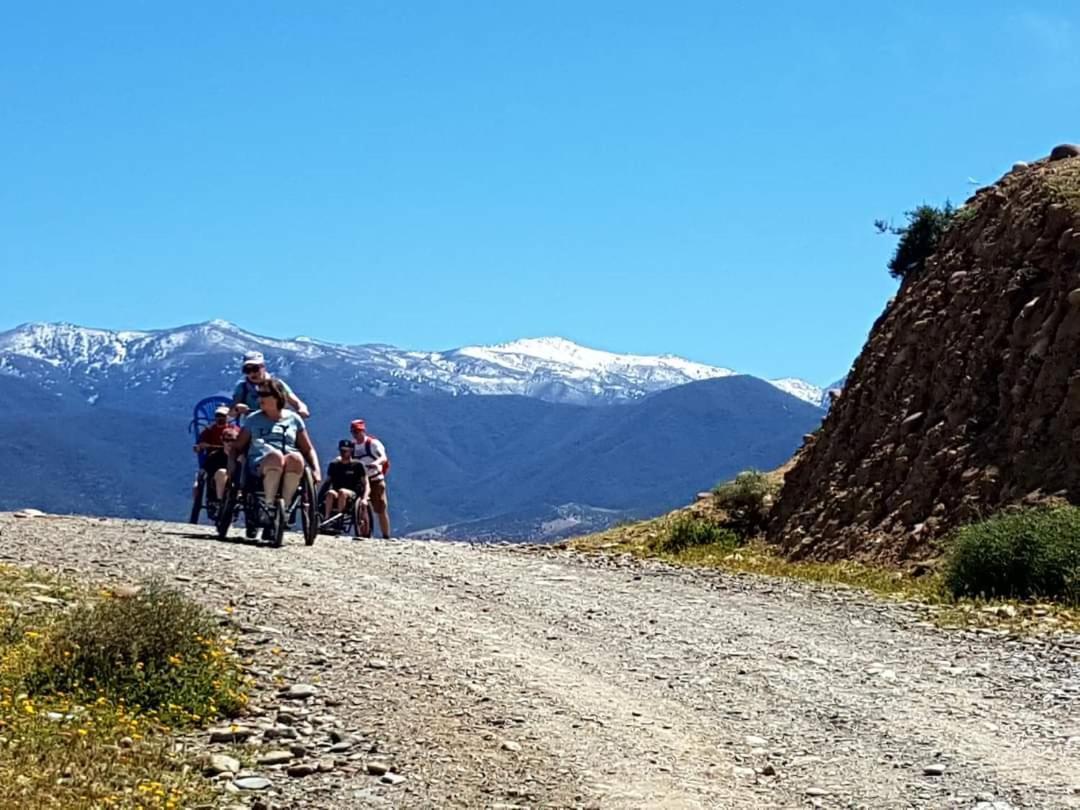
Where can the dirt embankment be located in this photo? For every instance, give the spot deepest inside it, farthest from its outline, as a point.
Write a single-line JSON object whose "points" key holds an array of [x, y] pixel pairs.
{"points": [[966, 397]]}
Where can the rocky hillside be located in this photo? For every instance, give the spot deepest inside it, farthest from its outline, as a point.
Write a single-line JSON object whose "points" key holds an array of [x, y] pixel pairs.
{"points": [[966, 397]]}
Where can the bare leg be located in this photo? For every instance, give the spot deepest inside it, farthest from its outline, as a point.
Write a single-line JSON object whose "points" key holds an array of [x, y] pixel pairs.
{"points": [[221, 477], [328, 504], [343, 499], [384, 522]]}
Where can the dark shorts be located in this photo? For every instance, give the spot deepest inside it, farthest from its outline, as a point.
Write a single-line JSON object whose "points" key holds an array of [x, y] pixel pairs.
{"points": [[216, 460]]}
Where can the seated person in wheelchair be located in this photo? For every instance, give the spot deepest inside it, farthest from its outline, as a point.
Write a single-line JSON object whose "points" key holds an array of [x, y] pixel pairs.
{"points": [[213, 441], [347, 479], [277, 443]]}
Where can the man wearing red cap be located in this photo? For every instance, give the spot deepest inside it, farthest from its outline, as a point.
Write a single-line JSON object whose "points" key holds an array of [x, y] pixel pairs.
{"points": [[371, 453]]}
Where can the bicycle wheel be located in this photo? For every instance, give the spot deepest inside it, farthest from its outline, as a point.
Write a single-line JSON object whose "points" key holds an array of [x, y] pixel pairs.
{"points": [[197, 498]]}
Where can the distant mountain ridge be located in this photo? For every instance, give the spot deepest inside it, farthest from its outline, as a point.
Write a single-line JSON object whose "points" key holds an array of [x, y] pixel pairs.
{"points": [[552, 369], [115, 406]]}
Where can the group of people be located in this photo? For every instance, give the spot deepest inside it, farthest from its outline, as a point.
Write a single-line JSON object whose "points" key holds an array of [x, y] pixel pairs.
{"points": [[273, 441]]}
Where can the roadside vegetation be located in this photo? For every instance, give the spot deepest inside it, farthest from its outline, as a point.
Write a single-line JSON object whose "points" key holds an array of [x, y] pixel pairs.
{"points": [[94, 687], [1018, 570]]}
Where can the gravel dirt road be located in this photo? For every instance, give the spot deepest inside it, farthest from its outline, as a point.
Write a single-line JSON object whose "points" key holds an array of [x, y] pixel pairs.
{"points": [[509, 677]]}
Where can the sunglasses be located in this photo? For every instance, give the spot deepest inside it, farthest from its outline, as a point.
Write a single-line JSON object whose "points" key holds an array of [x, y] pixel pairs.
{"points": [[252, 369]]}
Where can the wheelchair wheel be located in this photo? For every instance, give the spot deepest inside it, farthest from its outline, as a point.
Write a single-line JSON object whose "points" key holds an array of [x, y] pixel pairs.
{"points": [[226, 511], [361, 523], [281, 517], [309, 508], [369, 521], [197, 498]]}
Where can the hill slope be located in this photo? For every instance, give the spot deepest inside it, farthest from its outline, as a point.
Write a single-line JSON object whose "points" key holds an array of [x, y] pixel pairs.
{"points": [[966, 397]]}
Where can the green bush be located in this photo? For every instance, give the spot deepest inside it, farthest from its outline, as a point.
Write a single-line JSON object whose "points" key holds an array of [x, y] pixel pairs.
{"points": [[918, 239], [156, 650], [1021, 554], [747, 500], [689, 531]]}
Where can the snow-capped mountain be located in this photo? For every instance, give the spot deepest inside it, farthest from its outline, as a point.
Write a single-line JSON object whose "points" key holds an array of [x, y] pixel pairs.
{"points": [[551, 368]]}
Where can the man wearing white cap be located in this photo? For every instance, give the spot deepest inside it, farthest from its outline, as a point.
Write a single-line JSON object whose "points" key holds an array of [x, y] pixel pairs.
{"points": [[246, 395], [212, 440]]}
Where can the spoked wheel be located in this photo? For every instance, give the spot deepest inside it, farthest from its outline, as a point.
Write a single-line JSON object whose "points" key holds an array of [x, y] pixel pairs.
{"points": [[369, 520], [226, 510], [278, 525], [361, 522], [309, 508], [197, 498]]}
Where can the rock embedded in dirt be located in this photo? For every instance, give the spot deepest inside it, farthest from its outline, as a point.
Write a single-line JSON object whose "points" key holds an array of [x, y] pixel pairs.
{"points": [[275, 758], [300, 691], [221, 763], [252, 783], [231, 734], [302, 769], [377, 767]]}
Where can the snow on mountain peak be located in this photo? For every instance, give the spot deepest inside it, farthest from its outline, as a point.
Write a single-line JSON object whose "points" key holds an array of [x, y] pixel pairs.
{"points": [[550, 368], [565, 352]]}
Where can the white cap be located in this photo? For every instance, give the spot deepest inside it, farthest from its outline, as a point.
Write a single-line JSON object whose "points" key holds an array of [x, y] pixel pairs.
{"points": [[254, 359], [221, 410]]}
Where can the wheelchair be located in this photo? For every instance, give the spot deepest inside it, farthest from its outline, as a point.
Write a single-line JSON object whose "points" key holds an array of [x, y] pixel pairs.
{"points": [[354, 520], [244, 499], [204, 497]]}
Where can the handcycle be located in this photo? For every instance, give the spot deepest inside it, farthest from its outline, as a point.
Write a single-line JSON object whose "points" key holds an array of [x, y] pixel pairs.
{"points": [[357, 519], [244, 498], [203, 496]]}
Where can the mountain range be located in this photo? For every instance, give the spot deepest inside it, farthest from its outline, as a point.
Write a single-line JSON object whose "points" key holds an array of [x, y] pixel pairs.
{"points": [[534, 438]]}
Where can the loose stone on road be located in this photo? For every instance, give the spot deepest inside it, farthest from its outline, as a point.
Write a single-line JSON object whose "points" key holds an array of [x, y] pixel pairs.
{"points": [[418, 674]]}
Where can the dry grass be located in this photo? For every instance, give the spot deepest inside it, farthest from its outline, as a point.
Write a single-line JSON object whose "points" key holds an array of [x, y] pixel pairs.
{"points": [[1063, 180], [644, 540], [66, 743]]}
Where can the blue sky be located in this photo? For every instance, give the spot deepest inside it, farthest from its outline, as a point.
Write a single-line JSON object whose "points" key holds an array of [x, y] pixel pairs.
{"points": [[698, 178]]}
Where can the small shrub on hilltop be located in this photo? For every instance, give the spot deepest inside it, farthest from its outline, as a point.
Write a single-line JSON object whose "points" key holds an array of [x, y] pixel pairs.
{"points": [[1022, 554], [747, 500], [918, 239], [690, 531]]}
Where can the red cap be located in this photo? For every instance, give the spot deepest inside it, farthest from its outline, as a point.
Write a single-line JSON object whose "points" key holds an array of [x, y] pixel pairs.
{"points": [[357, 424]]}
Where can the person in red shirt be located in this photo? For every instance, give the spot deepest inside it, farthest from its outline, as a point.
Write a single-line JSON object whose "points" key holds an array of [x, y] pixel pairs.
{"points": [[213, 440]]}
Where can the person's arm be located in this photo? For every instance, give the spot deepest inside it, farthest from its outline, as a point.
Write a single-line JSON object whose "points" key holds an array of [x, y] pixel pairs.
{"points": [[239, 407], [294, 401], [242, 441], [365, 496], [303, 443], [380, 453], [299, 406]]}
